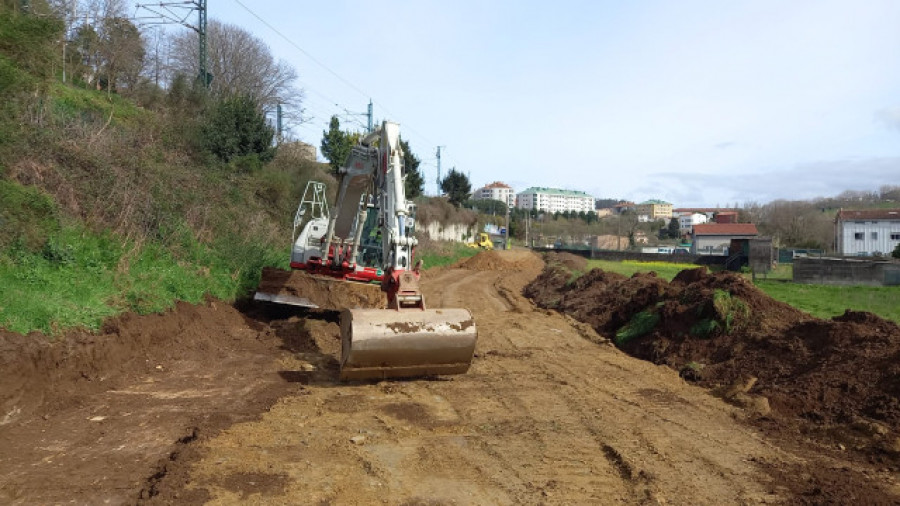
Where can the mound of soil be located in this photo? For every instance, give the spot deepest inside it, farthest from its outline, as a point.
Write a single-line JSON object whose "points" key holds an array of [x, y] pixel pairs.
{"points": [[567, 260], [327, 293], [724, 333], [503, 261]]}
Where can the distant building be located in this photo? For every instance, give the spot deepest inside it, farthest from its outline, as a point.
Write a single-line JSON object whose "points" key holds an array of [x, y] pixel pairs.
{"points": [[654, 210], [867, 232], [299, 149], [726, 217], [686, 222], [623, 206], [553, 200], [714, 238], [710, 212], [496, 191]]}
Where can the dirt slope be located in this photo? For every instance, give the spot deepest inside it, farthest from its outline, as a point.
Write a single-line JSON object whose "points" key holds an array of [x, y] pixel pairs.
{"points": [[245, 408]]}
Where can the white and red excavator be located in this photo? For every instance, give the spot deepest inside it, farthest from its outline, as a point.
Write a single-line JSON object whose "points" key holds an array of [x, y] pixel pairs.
{"points": [[369, 237]]}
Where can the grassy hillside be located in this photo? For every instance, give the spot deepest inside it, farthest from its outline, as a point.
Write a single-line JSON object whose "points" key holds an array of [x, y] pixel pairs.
{"points": [[110, 204]]}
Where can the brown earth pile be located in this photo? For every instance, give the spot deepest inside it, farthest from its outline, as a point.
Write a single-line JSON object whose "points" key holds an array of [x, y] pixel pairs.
{"points": [[494, 261], [567, 260], [722, 332], [327, 293]]}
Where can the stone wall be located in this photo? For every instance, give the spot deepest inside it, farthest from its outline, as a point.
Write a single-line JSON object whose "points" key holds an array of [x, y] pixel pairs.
{"points": [[846, 271], [459, 232]]}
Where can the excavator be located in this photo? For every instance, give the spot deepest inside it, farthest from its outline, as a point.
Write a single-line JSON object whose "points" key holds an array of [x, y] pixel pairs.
{"points": [[369, 237]]}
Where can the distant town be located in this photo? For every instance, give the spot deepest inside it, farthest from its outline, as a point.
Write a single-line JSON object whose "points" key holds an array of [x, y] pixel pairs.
{"points": [[709, 231]]}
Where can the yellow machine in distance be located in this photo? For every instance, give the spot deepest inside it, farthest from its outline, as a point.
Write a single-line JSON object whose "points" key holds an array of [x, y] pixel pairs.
{"points": [[482, 241]]}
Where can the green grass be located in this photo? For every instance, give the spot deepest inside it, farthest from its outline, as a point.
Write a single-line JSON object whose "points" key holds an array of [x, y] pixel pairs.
{"points": [[80, 278], [440, 254], [826, 301], [640, 324], [74, 102], [664, 270]]}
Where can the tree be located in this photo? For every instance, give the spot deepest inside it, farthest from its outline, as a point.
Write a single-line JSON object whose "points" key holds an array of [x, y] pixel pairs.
{"points": [[456, 186], [414, 180], [236, 127], [673, 231], [240, 64], [121, 51], [896, 252], [336, 144]]}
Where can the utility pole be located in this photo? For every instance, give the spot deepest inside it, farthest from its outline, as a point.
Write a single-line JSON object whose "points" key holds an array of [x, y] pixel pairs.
{"points": [[278, 122], [177, 13], [205, 78], [439, 170], [506, 243], [369, 114]]}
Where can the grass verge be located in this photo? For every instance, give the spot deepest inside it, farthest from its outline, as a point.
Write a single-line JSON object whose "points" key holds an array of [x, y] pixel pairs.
{"points": [[79, 278], [827, 301], [443, 253], [664, 270]]}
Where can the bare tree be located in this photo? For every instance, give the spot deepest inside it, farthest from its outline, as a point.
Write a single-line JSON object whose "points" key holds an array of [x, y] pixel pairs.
{"points": [[796, 224], [240, 64], [122, 52]]}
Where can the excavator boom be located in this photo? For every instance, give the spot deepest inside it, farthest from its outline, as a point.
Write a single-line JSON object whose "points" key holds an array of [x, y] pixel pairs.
{"points": [[370, 236]]}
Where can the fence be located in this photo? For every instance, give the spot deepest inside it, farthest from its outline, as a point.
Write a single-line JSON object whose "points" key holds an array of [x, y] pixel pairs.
{"points": [[618, 256], [846, 271]]}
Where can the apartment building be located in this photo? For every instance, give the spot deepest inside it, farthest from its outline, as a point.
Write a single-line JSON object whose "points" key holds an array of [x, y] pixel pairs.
{"points": [[496, 191], [553, 200]]}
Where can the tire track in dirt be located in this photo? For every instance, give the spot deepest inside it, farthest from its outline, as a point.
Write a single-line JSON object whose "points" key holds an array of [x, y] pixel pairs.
{"points": [[543, 417]]}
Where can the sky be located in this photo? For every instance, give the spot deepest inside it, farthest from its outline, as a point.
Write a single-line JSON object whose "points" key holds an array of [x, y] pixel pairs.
{"points": [[698, 103]]}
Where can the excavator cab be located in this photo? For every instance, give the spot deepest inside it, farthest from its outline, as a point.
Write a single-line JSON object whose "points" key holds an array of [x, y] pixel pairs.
{"points": [[369, 236]]}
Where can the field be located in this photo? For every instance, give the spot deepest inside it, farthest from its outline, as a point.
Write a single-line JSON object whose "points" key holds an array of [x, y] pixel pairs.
{"points": [[664, 270], [822, 301]]}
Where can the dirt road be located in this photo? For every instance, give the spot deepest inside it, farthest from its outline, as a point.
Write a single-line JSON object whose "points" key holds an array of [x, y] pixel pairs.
{"points": [[245, 408], [545, 415]]}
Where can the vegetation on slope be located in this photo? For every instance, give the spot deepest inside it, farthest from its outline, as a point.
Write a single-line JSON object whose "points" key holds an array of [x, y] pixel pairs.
{"points": [[109, 204]]}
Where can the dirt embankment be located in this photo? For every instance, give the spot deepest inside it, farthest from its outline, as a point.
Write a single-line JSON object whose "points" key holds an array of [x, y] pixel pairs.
{"points": [[837, 378]]}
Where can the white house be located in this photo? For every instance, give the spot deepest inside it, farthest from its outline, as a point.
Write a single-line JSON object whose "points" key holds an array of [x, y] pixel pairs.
{"points": [[867, 232], [715, 238], [554, 200], [686, 222], [496, 191]]}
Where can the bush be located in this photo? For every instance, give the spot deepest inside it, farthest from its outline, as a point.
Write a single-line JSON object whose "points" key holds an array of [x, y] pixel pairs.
{"points": [[236, 128], [896, 252]]}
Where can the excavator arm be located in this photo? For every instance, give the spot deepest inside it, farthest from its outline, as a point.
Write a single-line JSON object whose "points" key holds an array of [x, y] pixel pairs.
{"points": [[407, 339]]}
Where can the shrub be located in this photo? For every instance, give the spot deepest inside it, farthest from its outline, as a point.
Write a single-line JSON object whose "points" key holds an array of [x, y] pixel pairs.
{"points": [[236, 127]]}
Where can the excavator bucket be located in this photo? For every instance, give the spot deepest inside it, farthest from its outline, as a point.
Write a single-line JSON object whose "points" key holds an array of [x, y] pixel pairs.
{"points": [[386, 343]]}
